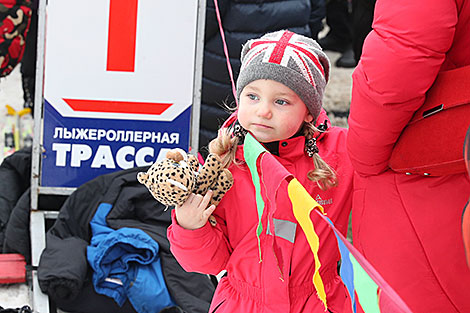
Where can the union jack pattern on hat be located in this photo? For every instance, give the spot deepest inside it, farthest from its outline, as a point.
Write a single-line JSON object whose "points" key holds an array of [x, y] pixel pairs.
{"points": [[291, 59]]}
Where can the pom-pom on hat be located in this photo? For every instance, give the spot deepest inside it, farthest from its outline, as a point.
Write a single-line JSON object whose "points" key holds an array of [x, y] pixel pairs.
{"points": [[290, 59]]}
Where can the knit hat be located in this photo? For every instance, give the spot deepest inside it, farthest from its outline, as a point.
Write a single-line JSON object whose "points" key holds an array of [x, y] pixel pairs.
{"points": [[290, 59]]}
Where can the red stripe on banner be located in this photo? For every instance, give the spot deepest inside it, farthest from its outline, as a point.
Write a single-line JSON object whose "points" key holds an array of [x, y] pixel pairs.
{"points": [[117, 106], [122, 35]]}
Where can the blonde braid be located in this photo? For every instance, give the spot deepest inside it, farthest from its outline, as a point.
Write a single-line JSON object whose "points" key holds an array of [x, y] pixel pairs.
{"points": [[225, 146], [322, 174]]}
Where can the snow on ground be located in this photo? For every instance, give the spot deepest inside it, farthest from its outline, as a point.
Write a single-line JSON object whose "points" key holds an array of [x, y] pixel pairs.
{"points": [[14, 296]]}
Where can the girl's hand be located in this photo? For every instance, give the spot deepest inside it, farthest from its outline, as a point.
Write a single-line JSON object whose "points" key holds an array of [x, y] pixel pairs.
{"points": [[194, 213]]}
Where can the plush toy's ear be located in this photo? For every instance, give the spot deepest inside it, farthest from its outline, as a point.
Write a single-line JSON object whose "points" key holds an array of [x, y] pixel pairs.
{"points": [[177, 155], [142, 177]]}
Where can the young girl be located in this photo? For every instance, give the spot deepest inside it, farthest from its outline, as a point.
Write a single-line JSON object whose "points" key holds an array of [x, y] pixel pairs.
{"points": [[280, 89]]}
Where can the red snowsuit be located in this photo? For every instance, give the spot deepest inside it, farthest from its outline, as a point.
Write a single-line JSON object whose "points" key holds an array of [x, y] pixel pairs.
{"points": [[254, 286], [408, 227]]}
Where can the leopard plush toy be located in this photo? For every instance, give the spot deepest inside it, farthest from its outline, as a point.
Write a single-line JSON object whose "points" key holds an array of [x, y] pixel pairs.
{"points": [[173, 179]]}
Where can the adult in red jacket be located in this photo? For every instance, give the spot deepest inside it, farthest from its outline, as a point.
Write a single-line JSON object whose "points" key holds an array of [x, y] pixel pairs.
{"points": [[408, 226]]}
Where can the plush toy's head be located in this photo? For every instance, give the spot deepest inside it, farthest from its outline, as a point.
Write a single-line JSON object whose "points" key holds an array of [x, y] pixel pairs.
{"points": [[171, 180]]}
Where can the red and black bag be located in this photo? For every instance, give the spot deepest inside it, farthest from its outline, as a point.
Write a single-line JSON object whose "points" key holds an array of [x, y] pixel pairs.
{"points": [[432, 142], [15, 16]]}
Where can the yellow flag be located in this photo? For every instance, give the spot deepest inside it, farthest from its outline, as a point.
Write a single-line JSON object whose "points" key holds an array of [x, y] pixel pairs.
{"points": [[302, 205]]}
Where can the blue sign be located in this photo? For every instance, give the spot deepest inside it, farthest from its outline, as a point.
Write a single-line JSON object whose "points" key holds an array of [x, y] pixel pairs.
{"points": [[79, 149]]}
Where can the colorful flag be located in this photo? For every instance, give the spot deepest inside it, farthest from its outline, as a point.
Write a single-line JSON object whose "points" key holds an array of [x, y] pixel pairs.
{"points": [[367, 289], [466, 210]]}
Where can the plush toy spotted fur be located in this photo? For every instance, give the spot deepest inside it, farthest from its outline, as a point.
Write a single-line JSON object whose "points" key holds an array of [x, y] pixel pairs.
{"points": [[173, 179]]}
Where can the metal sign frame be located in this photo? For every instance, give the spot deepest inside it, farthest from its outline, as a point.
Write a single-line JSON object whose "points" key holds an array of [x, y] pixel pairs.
{"points": [[38, 216]]}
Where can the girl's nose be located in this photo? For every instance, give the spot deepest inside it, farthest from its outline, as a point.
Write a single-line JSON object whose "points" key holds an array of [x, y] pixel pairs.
{"points": [[264, 110]]}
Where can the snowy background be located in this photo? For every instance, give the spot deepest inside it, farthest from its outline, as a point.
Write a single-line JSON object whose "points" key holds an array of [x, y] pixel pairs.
{"points": [[11, 92]]}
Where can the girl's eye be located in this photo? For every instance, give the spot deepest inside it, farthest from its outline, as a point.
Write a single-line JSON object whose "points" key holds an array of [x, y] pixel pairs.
{"points": [[281, 102], [252, 97]]}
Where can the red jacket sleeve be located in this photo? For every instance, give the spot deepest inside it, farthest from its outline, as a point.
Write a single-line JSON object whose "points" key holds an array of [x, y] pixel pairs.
{"points": [[401, 58], [204, 250]]}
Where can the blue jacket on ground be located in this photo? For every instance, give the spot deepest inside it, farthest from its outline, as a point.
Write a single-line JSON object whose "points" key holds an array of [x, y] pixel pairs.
{"points": [[126, 264]]}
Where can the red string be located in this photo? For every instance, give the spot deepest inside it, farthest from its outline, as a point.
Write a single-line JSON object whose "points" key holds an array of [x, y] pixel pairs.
{"points": [[229, 67]]}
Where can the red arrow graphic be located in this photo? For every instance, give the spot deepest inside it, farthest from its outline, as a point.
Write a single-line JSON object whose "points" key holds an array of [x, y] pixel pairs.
{"points": [[122, 35], [117, 106]]}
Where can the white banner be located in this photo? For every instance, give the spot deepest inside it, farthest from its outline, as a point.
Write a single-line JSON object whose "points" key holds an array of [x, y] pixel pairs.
{"points": [[84, 37]]}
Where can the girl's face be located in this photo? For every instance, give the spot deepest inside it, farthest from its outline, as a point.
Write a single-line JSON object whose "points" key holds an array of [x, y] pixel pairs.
{"points": [[271, 111]]}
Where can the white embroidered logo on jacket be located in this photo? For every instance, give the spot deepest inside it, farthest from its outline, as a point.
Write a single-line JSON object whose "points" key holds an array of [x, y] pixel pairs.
{"points": [[323, 202]]}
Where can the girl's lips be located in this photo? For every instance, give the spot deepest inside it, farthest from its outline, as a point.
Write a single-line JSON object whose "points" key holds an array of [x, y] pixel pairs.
{"points": [[261, 125]]}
